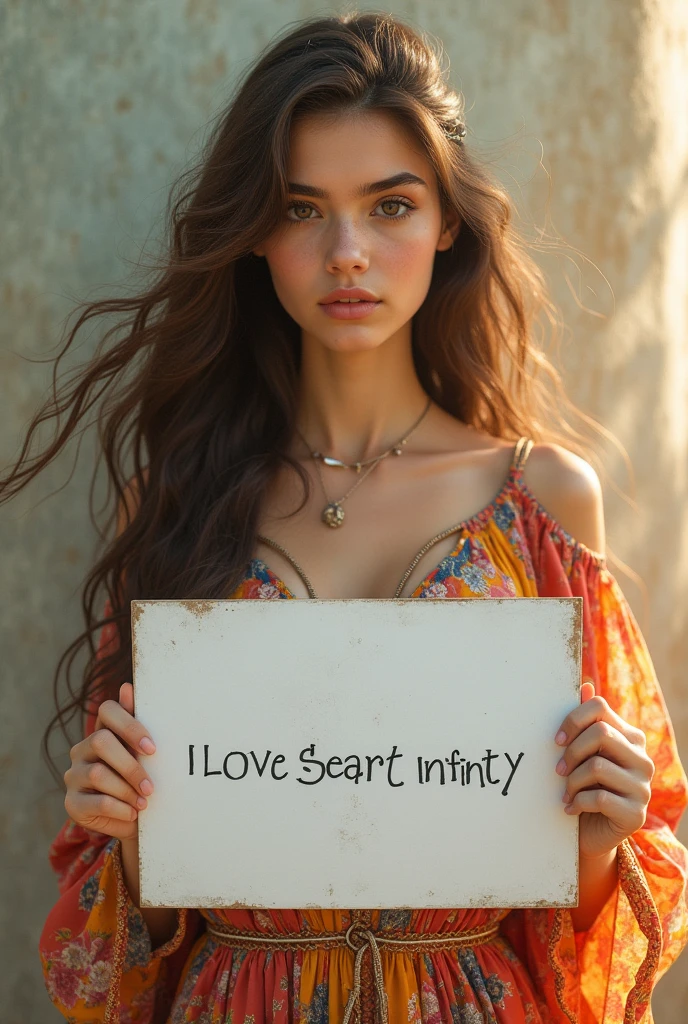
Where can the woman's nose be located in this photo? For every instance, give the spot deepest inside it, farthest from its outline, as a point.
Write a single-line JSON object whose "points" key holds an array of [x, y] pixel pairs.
{"points": [[347, 246]]}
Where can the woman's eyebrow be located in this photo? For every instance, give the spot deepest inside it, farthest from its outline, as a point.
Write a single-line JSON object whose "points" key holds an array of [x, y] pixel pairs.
{"points": [[395, 181]]}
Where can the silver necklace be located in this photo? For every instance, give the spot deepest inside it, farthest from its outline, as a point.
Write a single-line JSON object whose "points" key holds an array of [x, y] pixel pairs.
{"points": [[333, 513]]}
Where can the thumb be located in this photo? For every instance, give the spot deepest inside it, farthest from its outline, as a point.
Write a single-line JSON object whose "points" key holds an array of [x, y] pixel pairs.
{"points": [[587, 691], [126, 697]]}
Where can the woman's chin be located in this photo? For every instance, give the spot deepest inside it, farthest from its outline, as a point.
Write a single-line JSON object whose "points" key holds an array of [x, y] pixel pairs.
{"points": [[349, 344]]}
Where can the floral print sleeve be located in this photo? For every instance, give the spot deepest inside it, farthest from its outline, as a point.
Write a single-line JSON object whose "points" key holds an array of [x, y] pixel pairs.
{"points": [[606, 975], [95, 948]]}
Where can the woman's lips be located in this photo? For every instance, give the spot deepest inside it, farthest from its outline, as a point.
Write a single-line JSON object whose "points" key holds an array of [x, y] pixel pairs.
{"points": [[349, 310]]}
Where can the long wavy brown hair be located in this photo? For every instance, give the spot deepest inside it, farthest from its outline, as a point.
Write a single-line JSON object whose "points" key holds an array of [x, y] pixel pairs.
{"points": [[195, 387]]}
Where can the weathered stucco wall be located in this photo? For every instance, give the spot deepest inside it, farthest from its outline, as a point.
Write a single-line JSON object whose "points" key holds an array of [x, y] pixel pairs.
{"points": [[103, 104]]}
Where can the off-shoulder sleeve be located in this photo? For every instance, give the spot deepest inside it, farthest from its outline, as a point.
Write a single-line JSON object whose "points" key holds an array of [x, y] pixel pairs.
{"points": [[95, 948], [606, 975]]}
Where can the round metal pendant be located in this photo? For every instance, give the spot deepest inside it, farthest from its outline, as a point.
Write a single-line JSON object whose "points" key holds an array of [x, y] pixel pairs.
{"points": [[333, 515]]}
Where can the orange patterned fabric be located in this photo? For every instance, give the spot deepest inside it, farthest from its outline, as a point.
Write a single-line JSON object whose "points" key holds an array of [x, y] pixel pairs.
{"points": [[95, 948]]}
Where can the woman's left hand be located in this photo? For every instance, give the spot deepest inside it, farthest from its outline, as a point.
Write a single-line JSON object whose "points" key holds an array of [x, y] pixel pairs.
{"points": [[608, 774]]}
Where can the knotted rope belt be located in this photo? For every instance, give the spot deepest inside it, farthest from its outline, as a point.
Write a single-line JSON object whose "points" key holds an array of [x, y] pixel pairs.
{"points": [[360, 940]]}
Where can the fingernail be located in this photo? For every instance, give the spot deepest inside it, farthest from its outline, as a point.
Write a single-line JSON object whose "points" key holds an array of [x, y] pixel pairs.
{"points": [[146, 787], [147, 746], [566, 798], [568, 809], [140, 802], [561, 767], [560, 737]]}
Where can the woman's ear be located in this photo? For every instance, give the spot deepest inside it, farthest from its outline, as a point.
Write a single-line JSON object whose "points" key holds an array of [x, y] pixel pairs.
{"points": [[451, 225]]}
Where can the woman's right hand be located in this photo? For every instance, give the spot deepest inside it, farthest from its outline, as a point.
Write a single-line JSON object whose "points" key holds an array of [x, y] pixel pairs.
{"points": [[106, 785]]}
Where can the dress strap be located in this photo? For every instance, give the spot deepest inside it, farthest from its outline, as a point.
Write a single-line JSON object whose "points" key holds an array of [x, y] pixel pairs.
{"points": [[524, 447], [292, 561]]}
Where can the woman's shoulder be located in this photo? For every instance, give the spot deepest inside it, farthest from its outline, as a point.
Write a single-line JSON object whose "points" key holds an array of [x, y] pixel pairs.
{"points": [[568, 488]]}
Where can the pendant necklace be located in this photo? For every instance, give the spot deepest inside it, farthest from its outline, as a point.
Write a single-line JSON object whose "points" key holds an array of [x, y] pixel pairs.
{"points": [[333, 513]]}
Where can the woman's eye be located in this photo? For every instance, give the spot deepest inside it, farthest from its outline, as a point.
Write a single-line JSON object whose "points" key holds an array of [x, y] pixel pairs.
{"points": [[303, 207], [299, 206], [404, 203]]}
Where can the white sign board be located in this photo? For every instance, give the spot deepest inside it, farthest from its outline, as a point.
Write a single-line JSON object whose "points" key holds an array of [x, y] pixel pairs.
{"points": [[357, 754]]}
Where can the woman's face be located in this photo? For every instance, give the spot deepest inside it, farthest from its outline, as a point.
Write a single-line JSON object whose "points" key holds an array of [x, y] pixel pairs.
{"points": [[336, 236]]}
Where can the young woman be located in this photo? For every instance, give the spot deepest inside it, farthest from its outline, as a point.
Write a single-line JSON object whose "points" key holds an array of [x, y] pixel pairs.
{"points": [[332, 389]]}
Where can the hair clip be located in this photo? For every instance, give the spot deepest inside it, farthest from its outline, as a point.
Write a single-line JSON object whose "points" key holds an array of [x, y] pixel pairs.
{"points": [[458, 133]]}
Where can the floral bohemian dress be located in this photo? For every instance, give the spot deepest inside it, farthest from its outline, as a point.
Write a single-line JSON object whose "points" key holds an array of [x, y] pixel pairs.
{"points": [[95, 947]]}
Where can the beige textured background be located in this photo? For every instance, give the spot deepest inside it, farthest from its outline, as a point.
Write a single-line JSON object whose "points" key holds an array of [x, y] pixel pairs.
{"points": [[101, 105]]}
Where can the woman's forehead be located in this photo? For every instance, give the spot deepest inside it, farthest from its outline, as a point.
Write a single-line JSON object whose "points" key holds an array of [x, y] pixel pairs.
{"points": [[350, 153]]}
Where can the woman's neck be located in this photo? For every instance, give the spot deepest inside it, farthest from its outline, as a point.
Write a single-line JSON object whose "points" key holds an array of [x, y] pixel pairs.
{"points": [[354, 405]]}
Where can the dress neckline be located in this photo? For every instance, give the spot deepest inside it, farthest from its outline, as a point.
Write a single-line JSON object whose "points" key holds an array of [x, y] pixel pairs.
{"points": [[480, 518]]}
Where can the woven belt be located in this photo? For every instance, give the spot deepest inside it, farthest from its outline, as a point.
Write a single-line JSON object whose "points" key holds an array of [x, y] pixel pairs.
{"points": [[360, 940]]}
